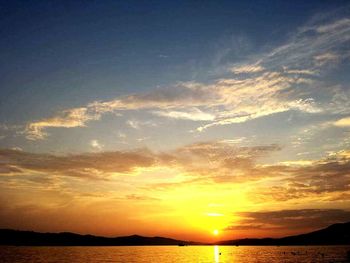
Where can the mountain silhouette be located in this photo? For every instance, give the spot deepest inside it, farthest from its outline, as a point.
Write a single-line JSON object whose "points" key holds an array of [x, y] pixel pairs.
{"points": [[337, 234], [16, 237]]}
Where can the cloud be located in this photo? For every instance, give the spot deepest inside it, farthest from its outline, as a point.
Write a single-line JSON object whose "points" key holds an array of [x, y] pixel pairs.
{"points": [[290, 219], [96, 144], [221, 149], [301, 71], [201, 159], [326, 58], [219, 162], [121, 135], [10, 130], [215, 162], [225, 163], [214, 214], [76, 117], [277, 81], [247, 68], [343, 23], [133, 124], [192, 114], [99, 165], [344, 122], [201, 168], [235, 140], [322, 179], [315, 44], [135, 197]]}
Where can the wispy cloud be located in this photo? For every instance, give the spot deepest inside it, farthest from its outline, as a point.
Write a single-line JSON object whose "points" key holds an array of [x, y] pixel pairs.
{"points": [[249, 68], [76, 117], [325, 58], [280, 80], [192, 114], [136, 124]]}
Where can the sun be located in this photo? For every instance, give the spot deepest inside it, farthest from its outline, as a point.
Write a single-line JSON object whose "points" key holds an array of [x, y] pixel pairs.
{"points": [[216, 232]]}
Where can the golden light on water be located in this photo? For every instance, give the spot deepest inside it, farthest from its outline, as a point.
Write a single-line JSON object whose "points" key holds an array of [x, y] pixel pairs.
{"points": [[216, 254]]}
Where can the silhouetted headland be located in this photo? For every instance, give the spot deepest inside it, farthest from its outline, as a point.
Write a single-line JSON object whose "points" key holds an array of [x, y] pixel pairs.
{"points": [[337, 234]]}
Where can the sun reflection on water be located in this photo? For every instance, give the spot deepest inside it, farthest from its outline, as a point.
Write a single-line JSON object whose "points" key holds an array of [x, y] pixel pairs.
{"points": [[216, 254]]}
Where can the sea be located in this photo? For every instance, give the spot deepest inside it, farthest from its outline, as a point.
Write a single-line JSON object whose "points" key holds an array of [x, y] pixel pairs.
{"points": [[246, 254]]}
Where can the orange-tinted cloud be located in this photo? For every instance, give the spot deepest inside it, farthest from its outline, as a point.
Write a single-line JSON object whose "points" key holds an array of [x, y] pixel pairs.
{"points": [[86, 165]]}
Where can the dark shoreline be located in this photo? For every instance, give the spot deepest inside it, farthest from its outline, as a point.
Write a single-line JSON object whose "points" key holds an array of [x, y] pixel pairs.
{"points": [[337, 234]]}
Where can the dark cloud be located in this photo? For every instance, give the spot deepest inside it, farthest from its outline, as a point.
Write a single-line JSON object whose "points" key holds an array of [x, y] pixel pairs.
{"points": [[331, 175], [290, 219], [206, 163], [200, 158], [89, 165]]}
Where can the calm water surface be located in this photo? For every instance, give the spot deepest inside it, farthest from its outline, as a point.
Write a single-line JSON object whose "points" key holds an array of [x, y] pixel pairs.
{"points": [[311, 254]]}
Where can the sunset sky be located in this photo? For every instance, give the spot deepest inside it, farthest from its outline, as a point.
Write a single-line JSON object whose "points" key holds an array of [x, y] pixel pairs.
{"points": [[175, 118]]}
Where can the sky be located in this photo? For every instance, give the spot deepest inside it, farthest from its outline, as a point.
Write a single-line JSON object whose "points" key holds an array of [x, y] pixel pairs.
{"points": [[175, 119]]}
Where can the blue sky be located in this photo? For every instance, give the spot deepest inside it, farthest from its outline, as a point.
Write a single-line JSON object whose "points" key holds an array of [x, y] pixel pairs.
{"points": [[64, 55], [229, 95], [68, 54]]}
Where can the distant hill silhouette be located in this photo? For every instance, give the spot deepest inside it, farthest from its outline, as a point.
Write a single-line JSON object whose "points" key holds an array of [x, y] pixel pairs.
{"points": [[337, 234], [30, 238]]}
